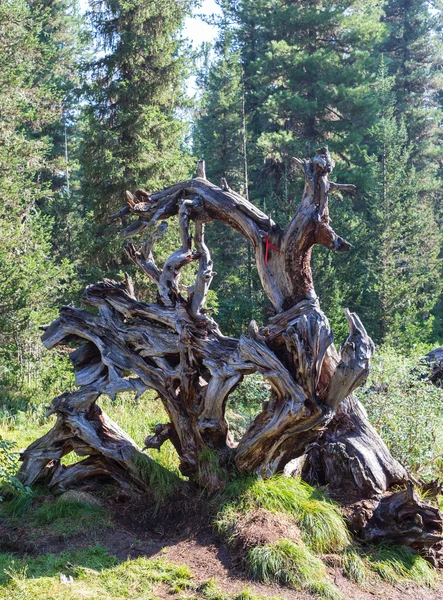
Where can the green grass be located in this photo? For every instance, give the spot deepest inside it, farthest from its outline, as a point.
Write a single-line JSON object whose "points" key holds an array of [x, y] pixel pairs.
{"points": [[96, 575], [211, 591], [354, 567], [136, 417], [99, 575], [291, 565], [61, 517], [322, 526], [395, 564], [69, 517], [162, 481]]}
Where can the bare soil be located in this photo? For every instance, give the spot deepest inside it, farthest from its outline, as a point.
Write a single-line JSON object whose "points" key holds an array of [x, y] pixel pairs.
{"points": [[190, 541]]}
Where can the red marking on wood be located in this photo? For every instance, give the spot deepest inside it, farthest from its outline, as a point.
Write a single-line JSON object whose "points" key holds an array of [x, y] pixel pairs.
{"points": [[269, 245]]}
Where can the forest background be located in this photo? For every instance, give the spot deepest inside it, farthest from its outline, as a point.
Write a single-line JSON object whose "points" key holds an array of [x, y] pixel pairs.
{"points": [[95, 103]]}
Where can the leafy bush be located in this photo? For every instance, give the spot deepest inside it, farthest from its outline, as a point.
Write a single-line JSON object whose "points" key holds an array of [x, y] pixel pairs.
{"points": [[406, 409], [8, 468]]}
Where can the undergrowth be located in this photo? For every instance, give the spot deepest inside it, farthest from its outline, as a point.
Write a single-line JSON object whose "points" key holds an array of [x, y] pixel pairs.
{"points": [[400, 563], [9, 464], [291, 565], [322, 526]]}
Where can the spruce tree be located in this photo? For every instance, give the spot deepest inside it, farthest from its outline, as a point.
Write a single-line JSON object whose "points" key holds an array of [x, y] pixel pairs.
{"points": [[63, 44], [220, 137], [404, 260], [413, 50], [132, 135], [308, 72], [31, 280]]}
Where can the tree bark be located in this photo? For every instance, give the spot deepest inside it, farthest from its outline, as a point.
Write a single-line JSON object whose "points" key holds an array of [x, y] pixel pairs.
{"points": [[175, 348]]}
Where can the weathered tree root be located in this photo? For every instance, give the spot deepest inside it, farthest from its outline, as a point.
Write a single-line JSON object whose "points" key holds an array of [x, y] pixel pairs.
{"points": [[174, 348]]}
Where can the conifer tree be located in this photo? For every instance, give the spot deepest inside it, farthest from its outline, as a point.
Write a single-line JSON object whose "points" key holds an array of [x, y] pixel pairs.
{"points": [[63, 44], [31, 280], [308, 72], [220, 137], [414, 56], [413, 48], [405, 261], [133, 136]]}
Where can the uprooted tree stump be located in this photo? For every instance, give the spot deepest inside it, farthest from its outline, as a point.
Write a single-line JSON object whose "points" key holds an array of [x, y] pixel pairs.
{"points": [[312, 421]]}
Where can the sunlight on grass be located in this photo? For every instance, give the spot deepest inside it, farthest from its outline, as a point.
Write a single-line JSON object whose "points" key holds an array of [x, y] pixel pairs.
{"points": [[163, 482], [354, 567], [291, 565], [321, 523], [96, 575], [99, 575], [399, 563]]}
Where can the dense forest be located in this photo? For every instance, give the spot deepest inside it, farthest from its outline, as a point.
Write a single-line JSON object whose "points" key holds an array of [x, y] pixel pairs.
{"points": [[94, 104], [97, 102]]}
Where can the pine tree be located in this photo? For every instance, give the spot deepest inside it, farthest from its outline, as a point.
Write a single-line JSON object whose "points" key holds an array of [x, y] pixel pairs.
{"points": [[405, 259], [63, 43], [220, 137], [31, 281], [308, 72], [413, 50], [132, 135]]}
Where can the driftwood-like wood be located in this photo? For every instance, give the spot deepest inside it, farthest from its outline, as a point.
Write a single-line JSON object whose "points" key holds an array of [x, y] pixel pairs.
{"points": [[175, 348]]}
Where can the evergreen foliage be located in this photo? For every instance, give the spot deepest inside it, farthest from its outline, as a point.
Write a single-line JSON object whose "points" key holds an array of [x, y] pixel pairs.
{"points": [[32, 281], [132, 135], [312, 75]]}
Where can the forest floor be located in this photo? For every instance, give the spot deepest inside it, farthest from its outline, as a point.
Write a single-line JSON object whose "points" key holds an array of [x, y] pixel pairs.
{"points": [[113, 552]]}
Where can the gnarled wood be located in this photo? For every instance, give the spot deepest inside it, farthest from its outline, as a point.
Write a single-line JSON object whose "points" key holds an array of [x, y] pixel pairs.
{"points": [[175, 348]]}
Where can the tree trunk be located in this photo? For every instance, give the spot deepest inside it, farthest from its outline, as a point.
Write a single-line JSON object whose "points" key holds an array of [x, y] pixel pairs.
{"points": [[175, 348]]}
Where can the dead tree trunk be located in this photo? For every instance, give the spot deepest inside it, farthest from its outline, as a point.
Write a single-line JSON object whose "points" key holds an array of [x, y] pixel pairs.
{"points": [[175, 348]]}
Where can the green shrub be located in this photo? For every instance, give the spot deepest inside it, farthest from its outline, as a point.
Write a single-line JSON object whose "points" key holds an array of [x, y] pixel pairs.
{"points": [[396, 390], [9, 484]]}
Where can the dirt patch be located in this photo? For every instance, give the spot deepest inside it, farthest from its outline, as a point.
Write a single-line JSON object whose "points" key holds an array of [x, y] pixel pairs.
{"points": [[16, 539], [139, 531], [261, 527]]}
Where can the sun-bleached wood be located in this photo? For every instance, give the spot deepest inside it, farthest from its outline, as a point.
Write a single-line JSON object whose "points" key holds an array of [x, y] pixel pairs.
{"points": [[175, 348]]}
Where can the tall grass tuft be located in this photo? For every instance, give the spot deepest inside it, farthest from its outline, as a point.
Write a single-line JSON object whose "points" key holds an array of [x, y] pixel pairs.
{"points": [[400, 563], [354, 567], [319, 518], [292, 565], [163, 482]]}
